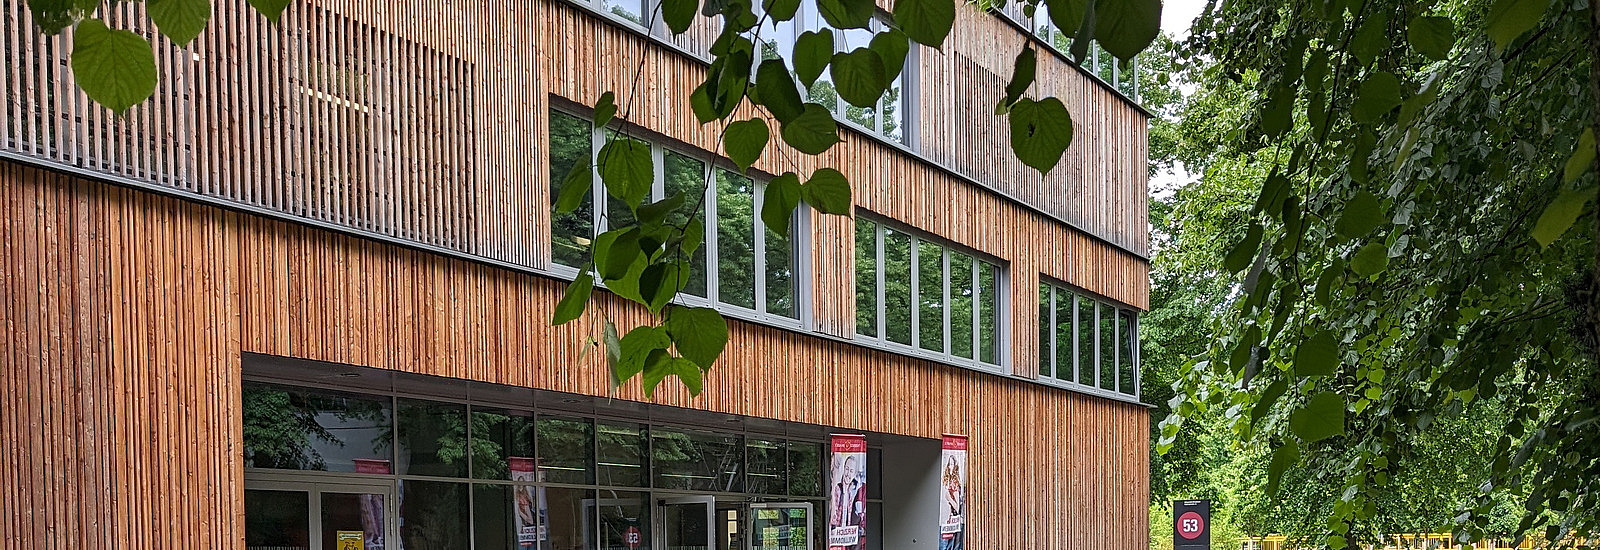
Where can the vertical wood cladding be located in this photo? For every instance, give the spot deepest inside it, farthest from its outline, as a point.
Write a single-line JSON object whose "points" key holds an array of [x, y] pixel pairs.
{"points": [[128, 314]]}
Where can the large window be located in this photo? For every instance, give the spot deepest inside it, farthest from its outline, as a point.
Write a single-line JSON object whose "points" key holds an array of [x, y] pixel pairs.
{"points": [[888, 118], [1099, 62], [1086, 341], [742, 265], [925, 295]]}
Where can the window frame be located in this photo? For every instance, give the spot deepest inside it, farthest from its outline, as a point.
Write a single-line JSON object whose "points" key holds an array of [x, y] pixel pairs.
{"points": [[908, 77], [799, 234], [1089, 381], [1002, 329]]}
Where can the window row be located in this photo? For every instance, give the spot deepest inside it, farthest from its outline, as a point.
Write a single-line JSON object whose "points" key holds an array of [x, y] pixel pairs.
{"points": [[305, 429], [916, 292], [742, 264], [1086, 341], [1099, 62]]}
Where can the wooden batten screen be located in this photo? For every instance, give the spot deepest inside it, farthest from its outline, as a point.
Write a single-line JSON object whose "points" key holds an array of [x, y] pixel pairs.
{"points": [[320, 116]]}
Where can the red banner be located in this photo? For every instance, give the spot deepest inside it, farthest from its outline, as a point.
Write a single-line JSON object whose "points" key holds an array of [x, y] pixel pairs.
{"points": [[953, 497], [847, 493]]}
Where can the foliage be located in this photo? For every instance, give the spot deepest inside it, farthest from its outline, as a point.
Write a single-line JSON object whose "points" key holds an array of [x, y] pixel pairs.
{"points": [[1420, 195]]}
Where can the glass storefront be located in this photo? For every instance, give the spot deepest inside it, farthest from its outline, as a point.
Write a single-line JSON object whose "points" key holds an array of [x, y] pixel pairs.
{"points": [[335, 469]]}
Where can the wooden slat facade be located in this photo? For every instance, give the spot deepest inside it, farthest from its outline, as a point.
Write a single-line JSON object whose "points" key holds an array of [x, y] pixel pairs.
{"points": [[424, 121]]}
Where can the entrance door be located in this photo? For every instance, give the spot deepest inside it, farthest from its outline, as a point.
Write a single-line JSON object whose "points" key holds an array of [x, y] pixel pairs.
{"points": [[317, 515], [780, 526], [686, 523]]}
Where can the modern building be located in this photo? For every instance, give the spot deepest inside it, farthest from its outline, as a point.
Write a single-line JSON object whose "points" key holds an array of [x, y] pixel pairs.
{"points": [[302, 297]]}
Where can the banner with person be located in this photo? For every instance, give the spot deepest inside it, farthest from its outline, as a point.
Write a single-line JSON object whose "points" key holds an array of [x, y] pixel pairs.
{"points": [[528, 503], [847, 493], [953, 493]]}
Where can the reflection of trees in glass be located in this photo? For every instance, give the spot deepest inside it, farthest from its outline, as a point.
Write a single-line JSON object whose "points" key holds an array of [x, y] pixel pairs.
{"points": [[433, 515], [686, 176], [1108, 343], [930, 296], [989, 312], [1064, 335], [805, 468], [736, 260], [566, 449], [278, 428], [1125, 364], [897, 286], [961, 288], [866, 278], [697, 460], [1085, 324], [497, 435], [432, 438], [822, 92], [570, 149], [622, 459], [1046, 356], [780, 272], [765, 466]]}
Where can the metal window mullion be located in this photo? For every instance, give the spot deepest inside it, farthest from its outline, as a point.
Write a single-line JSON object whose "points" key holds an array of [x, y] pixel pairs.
{"points": [[1098, 339], [1137, 353], [713, 263], [944, 261], [597, 141], [760, 249], [1116, 349], [658, 186]]}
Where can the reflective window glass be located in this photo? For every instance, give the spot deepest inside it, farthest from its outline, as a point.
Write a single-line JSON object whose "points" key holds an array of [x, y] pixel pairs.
{"points": [[1046, 332], [805, 469], [1126, 382], [502, 441], [569, 517], [571, 148], [961, 290], [686, 176], [566, 449], [736, 260], [1108, 347], [897, 286], [623, 453], [697, 460], [1063, 334], [930, 296], [1086, 358], [989, 313], [866, 278], [277, 519], [779, 271], [303, 429], [432, 438], [766, 470], [624, 520], [433, 514]]}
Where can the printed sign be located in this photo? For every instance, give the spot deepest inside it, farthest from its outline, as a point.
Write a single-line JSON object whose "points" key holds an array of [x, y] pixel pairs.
{"points": [[632, 537], [847, 493], [350, 540], [953, 493], [1191, 525], [528, 503]]}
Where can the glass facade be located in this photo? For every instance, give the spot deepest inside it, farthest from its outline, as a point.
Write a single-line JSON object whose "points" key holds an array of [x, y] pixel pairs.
{"points": [[938, 299], [1087, 341], [451, 474]]}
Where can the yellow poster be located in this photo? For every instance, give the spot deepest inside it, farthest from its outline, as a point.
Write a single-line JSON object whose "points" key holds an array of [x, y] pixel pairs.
{"points": [[350, 540]]}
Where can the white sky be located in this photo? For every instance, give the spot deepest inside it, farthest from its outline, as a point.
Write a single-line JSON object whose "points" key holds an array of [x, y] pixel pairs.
{"points": [[1176, 17]]}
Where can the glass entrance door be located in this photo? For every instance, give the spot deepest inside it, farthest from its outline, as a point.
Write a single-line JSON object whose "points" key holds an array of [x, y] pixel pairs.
{"points": [[780, 526], [314, 515], [686, 523]]}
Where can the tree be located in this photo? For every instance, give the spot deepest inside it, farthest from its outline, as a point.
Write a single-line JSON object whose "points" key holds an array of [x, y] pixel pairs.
{"points": [[1415, 280]]}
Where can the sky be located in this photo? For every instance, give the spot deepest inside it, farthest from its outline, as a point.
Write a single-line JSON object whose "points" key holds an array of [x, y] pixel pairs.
{"points": [[1176, 15]]}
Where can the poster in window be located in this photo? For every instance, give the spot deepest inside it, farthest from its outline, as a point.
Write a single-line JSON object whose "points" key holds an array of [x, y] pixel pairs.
{"points": [[529, 506], [953, 493], [847, 493]]}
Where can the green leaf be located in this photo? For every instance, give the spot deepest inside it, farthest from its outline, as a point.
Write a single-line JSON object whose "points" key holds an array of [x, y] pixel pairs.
{"points": [[1273, 191], [1581, 157], [813, 132], [828, 191], [1370, 260], [652, 215], [679, 14], [1126, 27], [700, 103], [1023, 71], [613, 349], [777, 91], [1267, 400], [1240, 256], [636, 348], [116, 68], [1371, 39], [927, 22], [1431, 35], [618, 254], [779, 200], [627, 170], [859, 76], [812, 52], [605, 109], [699, 333], [1040, 132], [179, 20], [1317, 355], [1067, 15], [1277, 116], [1509, 19], [846, 14], [272, 9], [1361, 215], [576, 298], [1322, 417], [1560, 214], [892, 47], [744, 141], [780, 10], [1380, 93], [54, 15], [661, 281], [1283, 458], [574, 188], [659, 368]]}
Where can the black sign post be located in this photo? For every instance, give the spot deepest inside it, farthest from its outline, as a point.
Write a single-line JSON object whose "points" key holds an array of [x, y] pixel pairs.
{"points": [[1191, 525]]}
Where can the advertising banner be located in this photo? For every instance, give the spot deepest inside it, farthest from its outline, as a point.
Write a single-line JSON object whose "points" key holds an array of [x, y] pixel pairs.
{"points": [[527, 501], [1191, 525], [953, 496], [847, 493]]}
